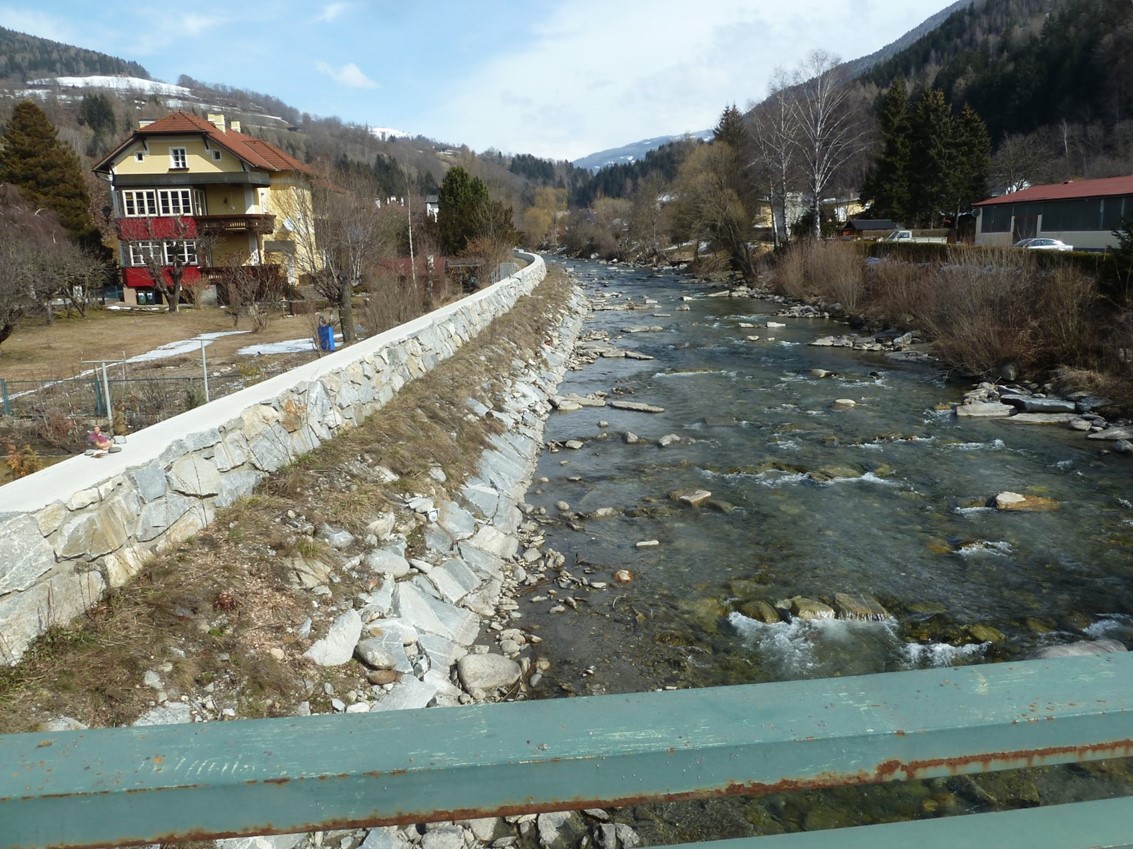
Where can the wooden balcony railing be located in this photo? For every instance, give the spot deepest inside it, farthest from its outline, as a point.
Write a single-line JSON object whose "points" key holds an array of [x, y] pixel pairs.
{"points": [[263, 225]]}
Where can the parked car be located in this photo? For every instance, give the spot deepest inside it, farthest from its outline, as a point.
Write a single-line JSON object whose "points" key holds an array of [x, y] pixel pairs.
{"points": [[1042, 243]]}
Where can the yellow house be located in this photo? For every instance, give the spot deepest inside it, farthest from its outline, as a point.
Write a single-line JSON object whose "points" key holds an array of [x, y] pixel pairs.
{"points": [[202, 196]]}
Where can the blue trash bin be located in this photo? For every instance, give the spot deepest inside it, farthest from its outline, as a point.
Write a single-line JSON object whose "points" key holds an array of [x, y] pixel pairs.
{"points": [[326, 337]]}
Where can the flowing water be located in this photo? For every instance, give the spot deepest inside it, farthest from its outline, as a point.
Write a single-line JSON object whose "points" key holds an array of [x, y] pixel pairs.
{"points": [[885, 499]]}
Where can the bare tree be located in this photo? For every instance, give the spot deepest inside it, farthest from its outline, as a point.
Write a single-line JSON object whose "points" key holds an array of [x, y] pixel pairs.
{"points": [[339, 234], [38, 261], [773, 161], [1019, 162], [168, 251], [829, 127]]}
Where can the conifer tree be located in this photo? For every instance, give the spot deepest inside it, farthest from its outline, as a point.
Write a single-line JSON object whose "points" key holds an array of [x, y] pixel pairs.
{"points": [[462, 197], [731, 129], [46, 171], [887, 183]]}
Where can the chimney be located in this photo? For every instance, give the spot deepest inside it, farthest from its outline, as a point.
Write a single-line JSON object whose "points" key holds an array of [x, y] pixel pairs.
{"points": [[234, 126], [217, 120]]}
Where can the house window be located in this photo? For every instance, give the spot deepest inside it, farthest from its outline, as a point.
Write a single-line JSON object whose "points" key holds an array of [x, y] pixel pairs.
{"points": [[140, 253], [178, 158], [139, 203], [147, 203], [216, 155], [143, 252], [182, 250], [175, 201], [140, 156]]}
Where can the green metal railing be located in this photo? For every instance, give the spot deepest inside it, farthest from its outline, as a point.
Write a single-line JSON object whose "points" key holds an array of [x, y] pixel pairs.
{"points": [[150, 784]]}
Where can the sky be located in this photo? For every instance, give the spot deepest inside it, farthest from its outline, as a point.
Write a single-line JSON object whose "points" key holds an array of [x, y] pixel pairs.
{"points": [[559, 79]]}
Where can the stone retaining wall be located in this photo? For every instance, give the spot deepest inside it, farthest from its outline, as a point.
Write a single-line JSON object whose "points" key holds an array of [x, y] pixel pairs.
{"points": [[87, 524]]}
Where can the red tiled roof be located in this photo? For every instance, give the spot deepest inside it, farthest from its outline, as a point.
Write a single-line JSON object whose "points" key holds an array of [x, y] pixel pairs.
{"points": [[256, 152], [1107, 187]]}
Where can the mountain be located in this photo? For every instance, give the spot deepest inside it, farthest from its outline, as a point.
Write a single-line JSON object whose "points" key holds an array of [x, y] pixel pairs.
{"points": [[23, 57], [633, 152], [857, 67]]}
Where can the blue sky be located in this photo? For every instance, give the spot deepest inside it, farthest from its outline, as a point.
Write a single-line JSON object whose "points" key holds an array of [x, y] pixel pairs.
{"points": [[556, 78]]}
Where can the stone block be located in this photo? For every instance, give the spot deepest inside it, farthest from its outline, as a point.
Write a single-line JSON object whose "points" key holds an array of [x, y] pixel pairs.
{"points": [[27, 555], [194, 475]]}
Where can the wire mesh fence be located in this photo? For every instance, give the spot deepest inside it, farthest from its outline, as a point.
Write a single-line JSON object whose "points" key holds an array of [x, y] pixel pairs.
{"points": [[139, 401]]}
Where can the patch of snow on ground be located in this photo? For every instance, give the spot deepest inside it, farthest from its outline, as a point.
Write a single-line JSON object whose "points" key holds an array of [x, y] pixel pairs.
{"points": [[115, 82], [288, 346], [184, 346]]}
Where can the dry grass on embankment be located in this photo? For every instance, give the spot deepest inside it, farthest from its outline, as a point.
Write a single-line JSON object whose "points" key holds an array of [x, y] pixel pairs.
{"points": [[218, 608], [984, 309]]}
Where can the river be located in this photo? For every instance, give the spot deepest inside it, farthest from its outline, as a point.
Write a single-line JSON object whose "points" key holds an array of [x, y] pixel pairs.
{"points": [[885, 499]]}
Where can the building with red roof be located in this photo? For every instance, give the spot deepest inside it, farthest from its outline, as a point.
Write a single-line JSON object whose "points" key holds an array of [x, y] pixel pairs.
{"points": [[201, 196], [1082, 213]]}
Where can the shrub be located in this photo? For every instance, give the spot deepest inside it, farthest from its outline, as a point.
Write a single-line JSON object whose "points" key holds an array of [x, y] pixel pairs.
{"points": [[22, 462]]}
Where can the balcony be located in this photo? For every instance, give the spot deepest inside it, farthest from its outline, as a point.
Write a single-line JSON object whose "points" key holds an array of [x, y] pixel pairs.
{"points": [[225, 225]]}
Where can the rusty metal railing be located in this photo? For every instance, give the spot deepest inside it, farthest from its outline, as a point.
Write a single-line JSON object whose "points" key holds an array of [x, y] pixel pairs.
{"points": [[153, 784]]}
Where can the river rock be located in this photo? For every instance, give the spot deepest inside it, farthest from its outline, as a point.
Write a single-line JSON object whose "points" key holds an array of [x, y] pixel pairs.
{"points": [[630, 438], [1042, 418], [560, 830], [1123, 446], [844, 404], [760, 611], [1113, 433], [568, 406], [668, 439], [1019, 503], [1082, 648], [691, 497], [985, 410], [386, 562], [1035, 404], [636, 407], [487, 672], [859, 607], [806, 608], [337, 647]]}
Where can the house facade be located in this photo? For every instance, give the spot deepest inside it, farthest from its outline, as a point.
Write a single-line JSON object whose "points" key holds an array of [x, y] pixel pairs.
{"points": [[1082, 213], [201, 197]]}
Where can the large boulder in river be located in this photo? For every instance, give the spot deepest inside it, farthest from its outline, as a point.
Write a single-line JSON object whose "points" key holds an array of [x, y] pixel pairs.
{"points": [[1082, 648], [801, 607], [1014, 502], [859, 607]]}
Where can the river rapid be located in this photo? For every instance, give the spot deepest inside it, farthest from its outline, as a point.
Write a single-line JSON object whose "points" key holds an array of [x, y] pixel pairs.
{"points": [[885, 499]]}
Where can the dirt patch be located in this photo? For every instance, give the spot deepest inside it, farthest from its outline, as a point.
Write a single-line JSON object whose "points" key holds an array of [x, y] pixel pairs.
{"points": [[219, 617]]}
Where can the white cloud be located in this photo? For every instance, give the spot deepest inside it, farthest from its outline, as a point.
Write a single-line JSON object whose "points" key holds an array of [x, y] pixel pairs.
{"points": [[676, 74], [37, 23], [349, 75], [332, 11]]}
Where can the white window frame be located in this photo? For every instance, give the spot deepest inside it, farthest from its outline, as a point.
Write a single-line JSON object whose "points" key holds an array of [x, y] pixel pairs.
{"points": [[138, 253], [140, 156], [179, 158], [166, 203], [216, 156]]}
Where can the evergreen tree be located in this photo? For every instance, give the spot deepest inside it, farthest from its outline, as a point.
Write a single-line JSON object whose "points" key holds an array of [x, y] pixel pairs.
{"points": [[46, 170], [886, 185], [731, 129], [973, 143], [462, 200], [932, 160]]}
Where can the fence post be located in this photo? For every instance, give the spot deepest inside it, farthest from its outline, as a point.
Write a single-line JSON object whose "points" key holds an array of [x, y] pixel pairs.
{"points": [[205, 371], [6, 404]]}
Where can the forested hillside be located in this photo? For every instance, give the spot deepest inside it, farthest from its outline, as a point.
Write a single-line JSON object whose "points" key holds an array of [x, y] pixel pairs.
{"points": [[24, 57], [1026, 65]]}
